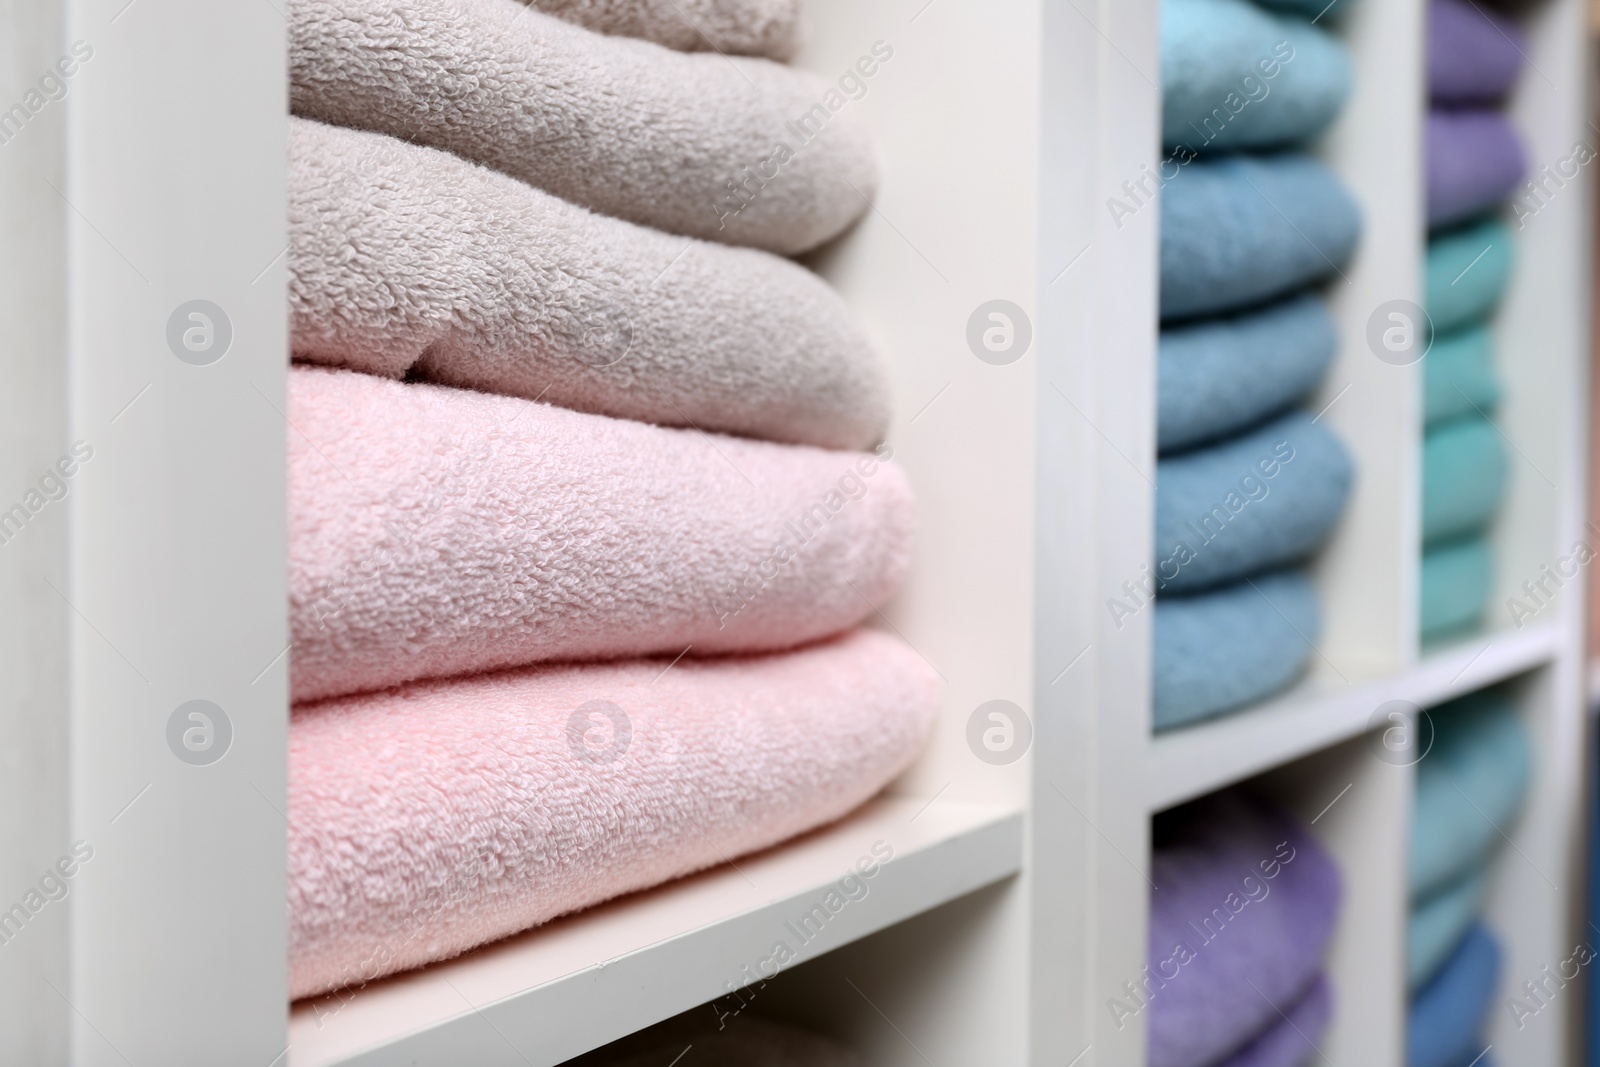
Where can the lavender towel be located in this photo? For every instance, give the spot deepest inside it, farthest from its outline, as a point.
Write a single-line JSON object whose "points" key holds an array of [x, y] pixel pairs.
{"points": [[1292, 1040], [1474, 161], [1474, 55], [1244, 904]]}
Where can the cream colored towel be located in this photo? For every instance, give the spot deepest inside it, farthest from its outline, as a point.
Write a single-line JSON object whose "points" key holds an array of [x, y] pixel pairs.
{"points": [[768, 28]]}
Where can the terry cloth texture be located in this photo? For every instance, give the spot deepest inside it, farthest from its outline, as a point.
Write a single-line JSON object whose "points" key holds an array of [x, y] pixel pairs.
{"points": [[747, 1041], [1474, 161], [1469, 787], [1459, 376], [1474, 55], [1264, 499], [1437, 925], [1241, 230], [435, 532], [1455, 585], [769, 28], [1467, 270], [1236, 76], [1446, 1020], [1463, 477], [1219, 376], [1292, 1040], [1221, 650], [1243, 906], [743, 151], [435, 818], [407, 261]]}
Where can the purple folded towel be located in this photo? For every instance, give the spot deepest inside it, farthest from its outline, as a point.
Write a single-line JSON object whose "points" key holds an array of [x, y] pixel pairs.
{"points": [[1474, 161], [1292, 1040], [1474, 55], [1244, 904]]}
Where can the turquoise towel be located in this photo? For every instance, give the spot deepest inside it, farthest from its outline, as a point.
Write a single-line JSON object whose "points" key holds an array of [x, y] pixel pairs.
{"points": [[1459, 376], [1469, 787], [1455, 586], [1448, 1015], [1225, 82], [1324, 11], [1241, 230], [1219, 376], [1438, 924], [1463, 477], [1264, 499], [1467, 269], [1234, 646]]}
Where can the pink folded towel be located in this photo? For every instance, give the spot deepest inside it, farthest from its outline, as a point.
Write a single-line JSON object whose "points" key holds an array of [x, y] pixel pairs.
{"points": [[738, 150], [431, 820], [768, 28], [436, 532], [409, 261]]}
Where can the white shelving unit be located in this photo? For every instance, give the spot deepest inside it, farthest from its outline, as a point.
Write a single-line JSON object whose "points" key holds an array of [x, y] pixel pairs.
{"points": [[1016, 903]]}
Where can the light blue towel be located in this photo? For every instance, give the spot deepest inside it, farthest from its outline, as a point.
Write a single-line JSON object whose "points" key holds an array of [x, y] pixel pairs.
{"points": [[1447, 1017], [1225, 83], [1459, 376], [1455, 586], [1467, 270], [1463, 477], [1241, 230], [1264, 499], [1469, 787], [1437, 925], [1218, 651], [1219, 376]]}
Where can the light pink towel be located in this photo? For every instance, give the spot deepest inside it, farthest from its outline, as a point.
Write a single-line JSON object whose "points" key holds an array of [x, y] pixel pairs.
{"points": [[744, 151], [436, 532], [427, 821], [410, 261], [768, 28]]}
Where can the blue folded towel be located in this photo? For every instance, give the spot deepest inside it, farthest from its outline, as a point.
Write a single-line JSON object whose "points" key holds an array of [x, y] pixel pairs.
{"points": [[1219, 376], [1467, 270], [1437, 925], [1241, 230], [1218, 651], [1455, 586], [1469, 787], [1459, 376], [1236, 76], [1463, 477], [1448, 1015], [1264, 499]]}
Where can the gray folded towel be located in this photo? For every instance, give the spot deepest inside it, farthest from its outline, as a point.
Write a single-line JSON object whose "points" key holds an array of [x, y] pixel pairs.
{"points": [[768, 28], [409, 261], [731, 149]]}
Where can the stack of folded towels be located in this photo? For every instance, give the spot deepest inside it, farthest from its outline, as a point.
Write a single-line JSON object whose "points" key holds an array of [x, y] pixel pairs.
{"points": [[1249, 485], [587, 484], [1244, 904], [1474, 161], [1470, 785]]}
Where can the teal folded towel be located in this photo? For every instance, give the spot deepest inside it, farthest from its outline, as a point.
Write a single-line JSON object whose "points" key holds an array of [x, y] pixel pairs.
{"points": [[1218, 651], [1218, 376], [1324, 11], [1459, 376], [1455, 585], [1241, 230], [1437, 925], [1236, 76], [1468, 789], [1467, 270], [1263, 499], [1446, 1020], [1463, 477]]}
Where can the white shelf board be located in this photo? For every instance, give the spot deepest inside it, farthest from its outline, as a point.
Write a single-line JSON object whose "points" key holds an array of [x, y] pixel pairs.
{"points": [[1323, 711], [542, 997]]}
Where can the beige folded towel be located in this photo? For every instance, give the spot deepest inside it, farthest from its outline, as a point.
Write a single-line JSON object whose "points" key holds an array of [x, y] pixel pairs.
{"points": [[409, 261], [768, 28], [742, 151]]}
